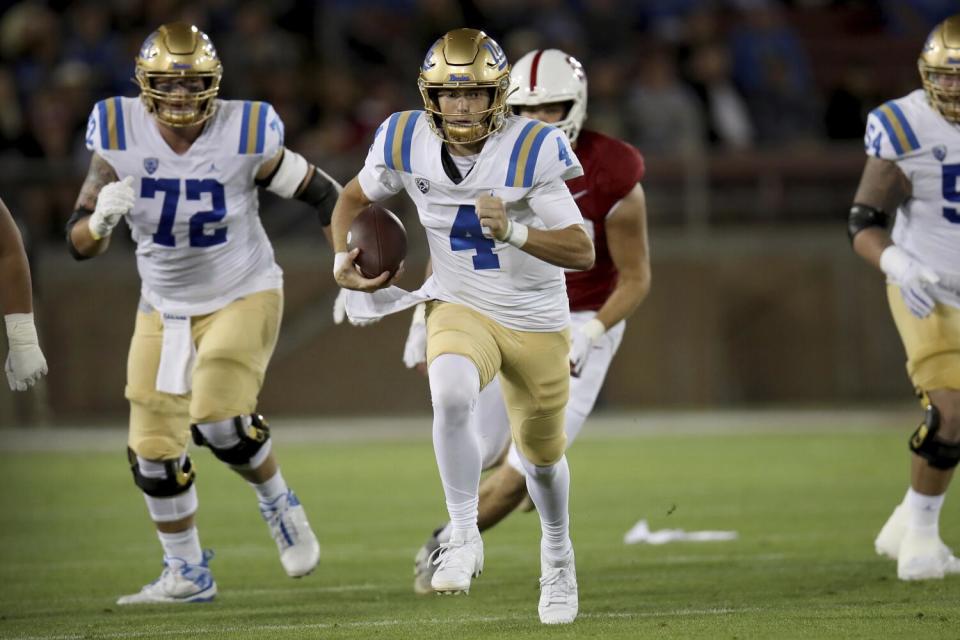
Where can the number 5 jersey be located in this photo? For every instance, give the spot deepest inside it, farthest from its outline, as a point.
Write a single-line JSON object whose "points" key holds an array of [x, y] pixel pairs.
{"points": [[525, 164], [200, 243]]}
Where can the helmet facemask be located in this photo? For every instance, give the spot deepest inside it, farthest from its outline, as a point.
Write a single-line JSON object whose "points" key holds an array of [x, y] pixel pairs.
{"points": [[939, 65], [482, 123], [180, 107]]}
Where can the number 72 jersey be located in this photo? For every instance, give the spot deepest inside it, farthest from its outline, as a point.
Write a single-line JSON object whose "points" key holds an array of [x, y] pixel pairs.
{"points": [[525, 164], [926, 148], [200, 243]]}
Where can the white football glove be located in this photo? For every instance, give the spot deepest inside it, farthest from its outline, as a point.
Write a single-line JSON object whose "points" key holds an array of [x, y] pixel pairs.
{"points": [[114, 201], [415, 350], [25, 362], [340, 307], [582, 343], [913, 277]]}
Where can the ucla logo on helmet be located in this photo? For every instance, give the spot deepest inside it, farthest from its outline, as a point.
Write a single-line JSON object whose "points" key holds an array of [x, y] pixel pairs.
{"points": [[428, 62], [149, 49], [423, 184], [940, 152], [499, 57], [460, 77], [150, 164]]}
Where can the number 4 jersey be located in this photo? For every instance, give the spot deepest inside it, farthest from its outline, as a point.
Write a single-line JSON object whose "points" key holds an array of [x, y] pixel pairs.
{"points": [[926, 148], [200, 244], [525, 164]]}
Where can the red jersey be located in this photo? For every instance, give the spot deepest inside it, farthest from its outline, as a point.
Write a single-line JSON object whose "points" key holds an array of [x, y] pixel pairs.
{"points": [[611, 169]]}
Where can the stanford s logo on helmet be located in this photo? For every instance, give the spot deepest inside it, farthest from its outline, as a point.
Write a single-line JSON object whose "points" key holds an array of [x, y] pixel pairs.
{"points": [[939, 65], [464, 59], [175, 51], [546, 76]]}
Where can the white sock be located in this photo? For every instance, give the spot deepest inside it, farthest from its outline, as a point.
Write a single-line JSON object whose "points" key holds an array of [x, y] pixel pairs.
{"points": [[444, 534], [183, 544], [271, 489], [923, 512], [549, 488], [454, 388]]}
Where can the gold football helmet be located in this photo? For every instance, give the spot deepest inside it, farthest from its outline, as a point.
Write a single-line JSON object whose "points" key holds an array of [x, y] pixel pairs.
{"points": [[940, 68], [465, 58], [179, 51]]}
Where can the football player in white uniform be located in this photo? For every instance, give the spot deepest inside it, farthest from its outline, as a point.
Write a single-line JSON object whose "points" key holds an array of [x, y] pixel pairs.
{"points": [[913, 168], [182, 168], [501, 224], [25, 363], [551, 86]]}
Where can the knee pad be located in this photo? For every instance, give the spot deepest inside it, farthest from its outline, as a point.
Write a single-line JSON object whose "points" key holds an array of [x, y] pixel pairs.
{"points": [[241, 441], [164, 479], [924, 441]]}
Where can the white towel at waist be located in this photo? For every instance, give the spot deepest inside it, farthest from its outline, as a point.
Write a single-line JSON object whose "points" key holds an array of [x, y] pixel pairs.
{"points": [[367, 308], [176, 355]]}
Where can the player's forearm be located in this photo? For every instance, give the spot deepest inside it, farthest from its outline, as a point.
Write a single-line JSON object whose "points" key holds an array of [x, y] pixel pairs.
{"points": [[870, 243], [84, 242], [569, 248], [630, 292], [349, 205], [15, 292]]}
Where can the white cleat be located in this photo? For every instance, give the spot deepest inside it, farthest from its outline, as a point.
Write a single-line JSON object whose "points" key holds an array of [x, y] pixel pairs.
{"points": [[559, 597], [179, 582], [924, 556], [457, 562], [298, 546], [891, 535], [424, 567]]}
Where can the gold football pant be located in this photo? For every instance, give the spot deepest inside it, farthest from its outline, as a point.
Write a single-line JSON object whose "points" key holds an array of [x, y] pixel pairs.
{"points": [[234, 345], [533, 366], [932, 343]]}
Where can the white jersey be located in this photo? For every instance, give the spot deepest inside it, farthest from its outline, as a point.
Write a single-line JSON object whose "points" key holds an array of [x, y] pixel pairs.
{"points": [[200, 244], [525, 164], [926, 147]]}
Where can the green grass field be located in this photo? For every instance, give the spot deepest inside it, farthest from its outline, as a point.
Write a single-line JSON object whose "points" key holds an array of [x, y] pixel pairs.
{"points": [[74, 535]]}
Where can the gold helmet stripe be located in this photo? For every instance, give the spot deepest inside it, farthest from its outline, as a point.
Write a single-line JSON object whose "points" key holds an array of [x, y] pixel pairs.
{"points": [[253, 127], [397, 142], [526, 150], [899, 130], [112, 134]]}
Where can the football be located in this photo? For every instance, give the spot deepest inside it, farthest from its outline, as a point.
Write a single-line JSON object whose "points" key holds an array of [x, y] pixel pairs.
{"points": [[382, 241]]}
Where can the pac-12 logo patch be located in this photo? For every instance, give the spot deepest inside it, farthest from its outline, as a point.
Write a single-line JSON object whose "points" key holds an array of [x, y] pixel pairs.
{"points": [[423, 184], [940, 152], [150, 164]]}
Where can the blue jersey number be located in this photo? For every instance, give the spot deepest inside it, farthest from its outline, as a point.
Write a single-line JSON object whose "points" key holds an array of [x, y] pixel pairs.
{"points": [[951, 192], [195, 189], [467, 234], [564, 154]]}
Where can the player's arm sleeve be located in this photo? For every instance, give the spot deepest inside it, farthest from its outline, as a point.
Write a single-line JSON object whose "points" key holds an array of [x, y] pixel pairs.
{"points": [[554, 205], [378, 181], [889, 135]]}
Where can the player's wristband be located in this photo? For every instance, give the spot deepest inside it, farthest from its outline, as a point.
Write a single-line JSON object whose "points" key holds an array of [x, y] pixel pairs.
{"points": [[21, 329], [93, 233], [338, 259], [516, 234], [593, 329]]}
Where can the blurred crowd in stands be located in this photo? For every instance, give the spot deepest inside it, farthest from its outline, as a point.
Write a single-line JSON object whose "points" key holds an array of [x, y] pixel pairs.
{"points": [[674, 77]]}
